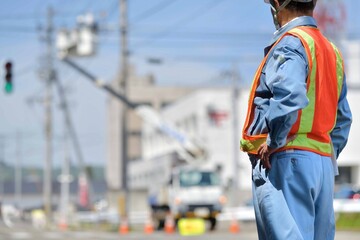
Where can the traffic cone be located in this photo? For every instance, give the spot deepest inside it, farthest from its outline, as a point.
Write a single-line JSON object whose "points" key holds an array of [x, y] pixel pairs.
{"points": [[234, 226], [149, 226], [124, 226], [169, 224], [63, 226]]}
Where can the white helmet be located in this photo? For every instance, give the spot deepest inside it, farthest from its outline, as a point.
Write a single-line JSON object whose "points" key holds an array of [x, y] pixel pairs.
{"points": [[286, 3], [275, 10], [304, 1]]}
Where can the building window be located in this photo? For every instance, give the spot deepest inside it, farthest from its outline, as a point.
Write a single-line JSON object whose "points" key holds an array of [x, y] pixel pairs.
{"points": [[345, 176], [165, 104], [135, 133], [194, 122], [145, 103]]}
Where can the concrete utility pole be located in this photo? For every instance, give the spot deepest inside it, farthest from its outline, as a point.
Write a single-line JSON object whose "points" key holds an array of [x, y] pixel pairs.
{"points": [[70, 129], [65, 179], [50, 72], [235, 110], [18, 171], [2, 166], [123, 199]]}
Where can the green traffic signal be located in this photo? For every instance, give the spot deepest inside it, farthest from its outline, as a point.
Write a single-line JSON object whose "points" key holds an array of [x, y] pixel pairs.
{"points": [[8, 77], [8, 87]]}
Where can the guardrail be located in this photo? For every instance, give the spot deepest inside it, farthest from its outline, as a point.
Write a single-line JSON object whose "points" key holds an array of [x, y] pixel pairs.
{"points": [[245, 213], [140, 217], [242, 213], [347, 205]]}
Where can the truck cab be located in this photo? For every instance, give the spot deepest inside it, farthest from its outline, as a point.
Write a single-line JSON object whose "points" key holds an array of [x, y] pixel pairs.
{"points": [[196, 193]]}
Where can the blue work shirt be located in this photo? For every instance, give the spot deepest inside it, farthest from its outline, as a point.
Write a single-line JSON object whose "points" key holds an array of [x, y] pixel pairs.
{"points": [[282, 91]]}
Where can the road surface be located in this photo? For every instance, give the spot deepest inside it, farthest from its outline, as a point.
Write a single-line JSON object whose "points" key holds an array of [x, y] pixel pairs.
{"points": [[247, 232]]}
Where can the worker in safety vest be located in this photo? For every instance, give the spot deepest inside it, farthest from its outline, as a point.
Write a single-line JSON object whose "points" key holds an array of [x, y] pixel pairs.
{"points": [[297, 124]]}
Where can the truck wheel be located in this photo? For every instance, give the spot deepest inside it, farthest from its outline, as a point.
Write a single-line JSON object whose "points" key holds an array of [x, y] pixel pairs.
{"points": [[161, 224], [213, 222]]}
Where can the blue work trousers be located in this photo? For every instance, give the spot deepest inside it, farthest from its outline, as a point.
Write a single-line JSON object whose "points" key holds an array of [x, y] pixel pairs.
{"points": [[294, 199]]}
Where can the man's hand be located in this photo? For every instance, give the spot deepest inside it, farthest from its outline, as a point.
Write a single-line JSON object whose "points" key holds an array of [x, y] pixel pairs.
{"points": [[264, 153]]}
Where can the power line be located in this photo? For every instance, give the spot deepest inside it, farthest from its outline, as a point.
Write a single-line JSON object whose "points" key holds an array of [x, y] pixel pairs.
{"points": [[25, 70], [85, 7], [222, 58], [20, 17], [244, 58], [146, 14], [204, 35], [153, 10], [200, 11], [214, 34], [112, 9], [31, 16], [18, 29], [165, 44], [192, 45]]}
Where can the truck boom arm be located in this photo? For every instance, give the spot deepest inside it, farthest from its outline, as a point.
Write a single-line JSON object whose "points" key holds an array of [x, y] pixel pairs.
{"points": [[191, 150]]}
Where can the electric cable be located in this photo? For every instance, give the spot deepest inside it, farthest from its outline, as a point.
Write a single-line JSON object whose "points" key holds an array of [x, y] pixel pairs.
{"points": [[24, 70], [18, 29], [254, 36], [152, 11], [112, 9], [200, 12]]}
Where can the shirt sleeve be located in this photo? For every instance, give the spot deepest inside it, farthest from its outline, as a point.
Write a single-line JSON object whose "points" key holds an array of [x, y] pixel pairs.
{"points": [[286, 73], [340, 133]]}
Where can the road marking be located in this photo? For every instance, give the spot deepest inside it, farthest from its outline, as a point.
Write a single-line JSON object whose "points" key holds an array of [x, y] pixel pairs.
{"points": [[20, 235], [52, 235]]}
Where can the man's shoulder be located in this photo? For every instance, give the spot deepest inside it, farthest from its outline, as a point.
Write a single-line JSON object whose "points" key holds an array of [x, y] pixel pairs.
{"points": [[289, 43]]}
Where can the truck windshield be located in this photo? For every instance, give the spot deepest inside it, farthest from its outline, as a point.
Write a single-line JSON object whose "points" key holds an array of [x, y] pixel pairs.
{"points": [[197, 178]]}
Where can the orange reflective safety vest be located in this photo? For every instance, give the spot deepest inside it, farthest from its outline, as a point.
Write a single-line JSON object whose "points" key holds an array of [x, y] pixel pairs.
{"points": [[324, 84]]}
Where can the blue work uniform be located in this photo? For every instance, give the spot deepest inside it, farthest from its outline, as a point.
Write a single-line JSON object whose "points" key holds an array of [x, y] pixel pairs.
{"points": [[293, 199]]}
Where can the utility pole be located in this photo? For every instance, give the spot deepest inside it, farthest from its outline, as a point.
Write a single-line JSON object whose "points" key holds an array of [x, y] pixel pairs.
{"points": [[18, 171], [235, 110], [50, 72], [2, 166], [65, 179], [123, 200], [70, 129]]}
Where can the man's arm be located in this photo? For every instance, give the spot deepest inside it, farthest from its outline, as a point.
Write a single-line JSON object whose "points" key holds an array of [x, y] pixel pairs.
{"points": [[286, 76], [340, 133]]}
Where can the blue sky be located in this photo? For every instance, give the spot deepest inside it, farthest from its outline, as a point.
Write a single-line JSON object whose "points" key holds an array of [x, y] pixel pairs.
{"points": [[196, 40]]}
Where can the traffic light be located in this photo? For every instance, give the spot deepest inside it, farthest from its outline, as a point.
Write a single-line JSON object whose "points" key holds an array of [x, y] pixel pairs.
{"points": [[8, 77]]}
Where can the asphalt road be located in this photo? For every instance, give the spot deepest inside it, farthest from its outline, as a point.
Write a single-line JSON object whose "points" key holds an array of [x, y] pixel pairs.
{"points": [[247, 232]]}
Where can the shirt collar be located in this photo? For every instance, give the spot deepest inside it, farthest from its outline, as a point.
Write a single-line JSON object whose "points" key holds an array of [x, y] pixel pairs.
{"points": [[296, 22]]}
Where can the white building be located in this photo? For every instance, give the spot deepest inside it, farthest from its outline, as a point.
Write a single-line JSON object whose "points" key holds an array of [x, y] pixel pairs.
{"points": [[140, 90], [349, 160], [207, 115], [351, 55]]}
